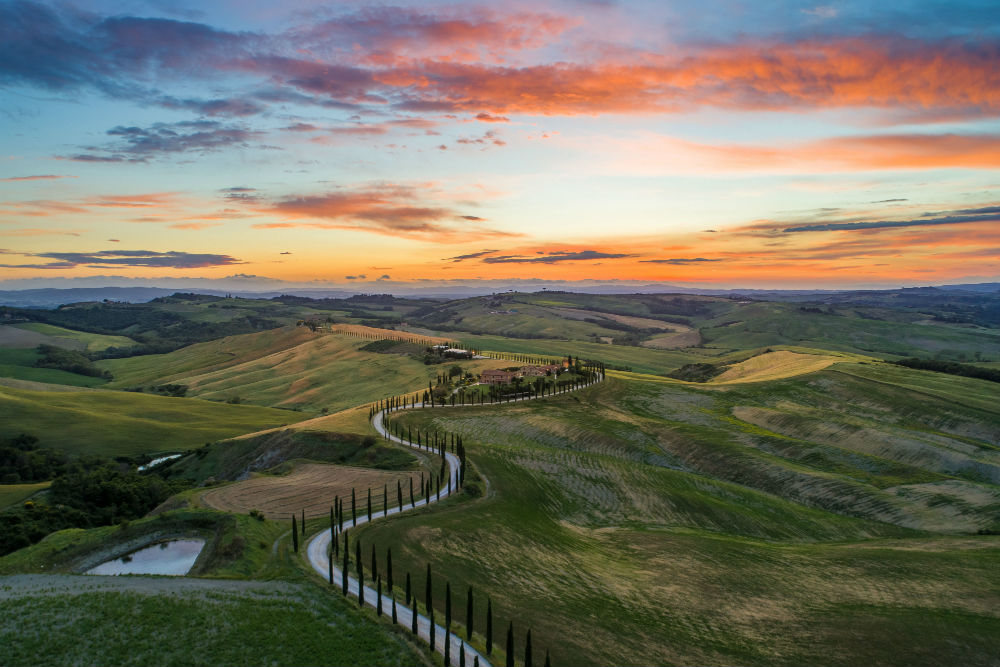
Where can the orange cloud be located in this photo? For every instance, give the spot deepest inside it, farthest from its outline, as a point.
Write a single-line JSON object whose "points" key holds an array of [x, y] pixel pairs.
{"points": [[396, 210], [869, 72]]}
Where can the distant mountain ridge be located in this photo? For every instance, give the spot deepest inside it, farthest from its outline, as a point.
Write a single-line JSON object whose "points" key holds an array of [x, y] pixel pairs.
{"points": [[54, 297]]}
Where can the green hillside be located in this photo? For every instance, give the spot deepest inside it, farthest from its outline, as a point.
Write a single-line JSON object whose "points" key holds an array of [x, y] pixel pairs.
{"points": [[290, 367], [652, 521], [114, 423]]}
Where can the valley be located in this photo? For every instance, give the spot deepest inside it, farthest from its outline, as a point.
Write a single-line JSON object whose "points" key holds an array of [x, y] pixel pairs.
{"points": [[754, 490]]}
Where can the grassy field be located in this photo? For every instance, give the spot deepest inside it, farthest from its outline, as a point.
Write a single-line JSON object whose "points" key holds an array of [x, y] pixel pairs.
{"points": [[713, 322], [82, 340], [19, 364], [141, 621], [645, 523], [287, 618], [270, 450], [113, 423], [12, 494], [775, 366], [290, 368], [309, 487]]}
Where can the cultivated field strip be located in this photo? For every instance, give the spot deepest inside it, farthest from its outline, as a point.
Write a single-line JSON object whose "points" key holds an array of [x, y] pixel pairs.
{"points": [[318, 550], [310, 487], [374, 333]]}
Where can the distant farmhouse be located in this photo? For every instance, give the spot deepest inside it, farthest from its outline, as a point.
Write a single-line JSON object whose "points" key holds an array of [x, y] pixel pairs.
{"points": [[498, 376]]}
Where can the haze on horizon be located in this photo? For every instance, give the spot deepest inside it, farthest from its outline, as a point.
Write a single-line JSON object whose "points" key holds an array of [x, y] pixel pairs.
{"points": [[720, 143]]}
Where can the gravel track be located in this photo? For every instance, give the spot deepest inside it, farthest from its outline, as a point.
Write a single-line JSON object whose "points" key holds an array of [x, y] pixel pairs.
{"points": [[318, 548]]}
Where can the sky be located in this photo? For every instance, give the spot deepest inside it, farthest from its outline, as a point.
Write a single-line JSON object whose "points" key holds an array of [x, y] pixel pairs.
{"points": [[757, 144]]}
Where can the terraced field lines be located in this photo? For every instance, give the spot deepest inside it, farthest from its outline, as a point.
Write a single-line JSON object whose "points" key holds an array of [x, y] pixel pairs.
{"points": [[310, 487]]}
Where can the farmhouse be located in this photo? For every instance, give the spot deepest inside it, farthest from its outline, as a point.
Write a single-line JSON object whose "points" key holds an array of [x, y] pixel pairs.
{"points": [[540, 371], [496, 376]]}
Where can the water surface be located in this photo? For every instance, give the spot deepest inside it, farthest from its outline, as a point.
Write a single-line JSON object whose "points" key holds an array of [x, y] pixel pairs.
{"points": [[175, 557]]}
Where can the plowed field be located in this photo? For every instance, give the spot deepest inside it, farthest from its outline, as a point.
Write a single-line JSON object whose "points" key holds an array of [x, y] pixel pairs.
{"points": [[310, 487]]}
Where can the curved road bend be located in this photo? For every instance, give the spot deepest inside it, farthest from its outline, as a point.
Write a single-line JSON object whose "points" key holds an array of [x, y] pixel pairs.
{"points": [[319, 545]]}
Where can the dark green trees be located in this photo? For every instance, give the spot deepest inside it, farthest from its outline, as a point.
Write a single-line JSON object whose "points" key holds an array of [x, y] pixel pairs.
{"points": [[413, 613], [527, 650], [489, 626], [295, 535], [429, 603], [447, 623], [468, 615], [510, 645], [361, 573]]}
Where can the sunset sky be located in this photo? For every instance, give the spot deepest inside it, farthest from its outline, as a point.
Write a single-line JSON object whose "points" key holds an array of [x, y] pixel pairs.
{"points": [[711, 143]]}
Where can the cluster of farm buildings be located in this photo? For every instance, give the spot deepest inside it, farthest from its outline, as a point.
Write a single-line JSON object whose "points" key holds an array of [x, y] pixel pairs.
{"points": [[500, 376]]}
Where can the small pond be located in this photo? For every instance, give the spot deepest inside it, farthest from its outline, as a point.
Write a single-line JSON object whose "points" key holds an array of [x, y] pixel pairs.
{"points": [[175, 557]]}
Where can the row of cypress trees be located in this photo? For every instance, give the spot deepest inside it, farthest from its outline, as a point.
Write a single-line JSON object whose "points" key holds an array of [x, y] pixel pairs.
{"points": [[410, 600], [440, 445]]}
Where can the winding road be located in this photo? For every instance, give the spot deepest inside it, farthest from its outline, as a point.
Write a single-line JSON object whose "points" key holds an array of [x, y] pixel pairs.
{"points": [[318, 547]]}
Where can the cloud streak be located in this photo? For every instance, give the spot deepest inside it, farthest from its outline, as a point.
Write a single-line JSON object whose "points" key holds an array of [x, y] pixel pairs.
{"points": [[555, 257], [398, 210], [126, 258]]}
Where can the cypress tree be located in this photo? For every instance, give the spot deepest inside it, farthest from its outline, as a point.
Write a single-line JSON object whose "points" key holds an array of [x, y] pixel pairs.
{"points": [[428, 600], [346, 566], [392, 596], [510, 644], [374, 563], [408, 588], [399, 494], [295, 535], [378, 604], [354, 513], [413, 615], [333, 534], [369, 504], [430, 615], [361, 573], [461, 655], [475, 661], [527, 650], [303, 523], [489, 626], [385, 500], [412, 503], [468, 615], [548, 663], [447, 623]]}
